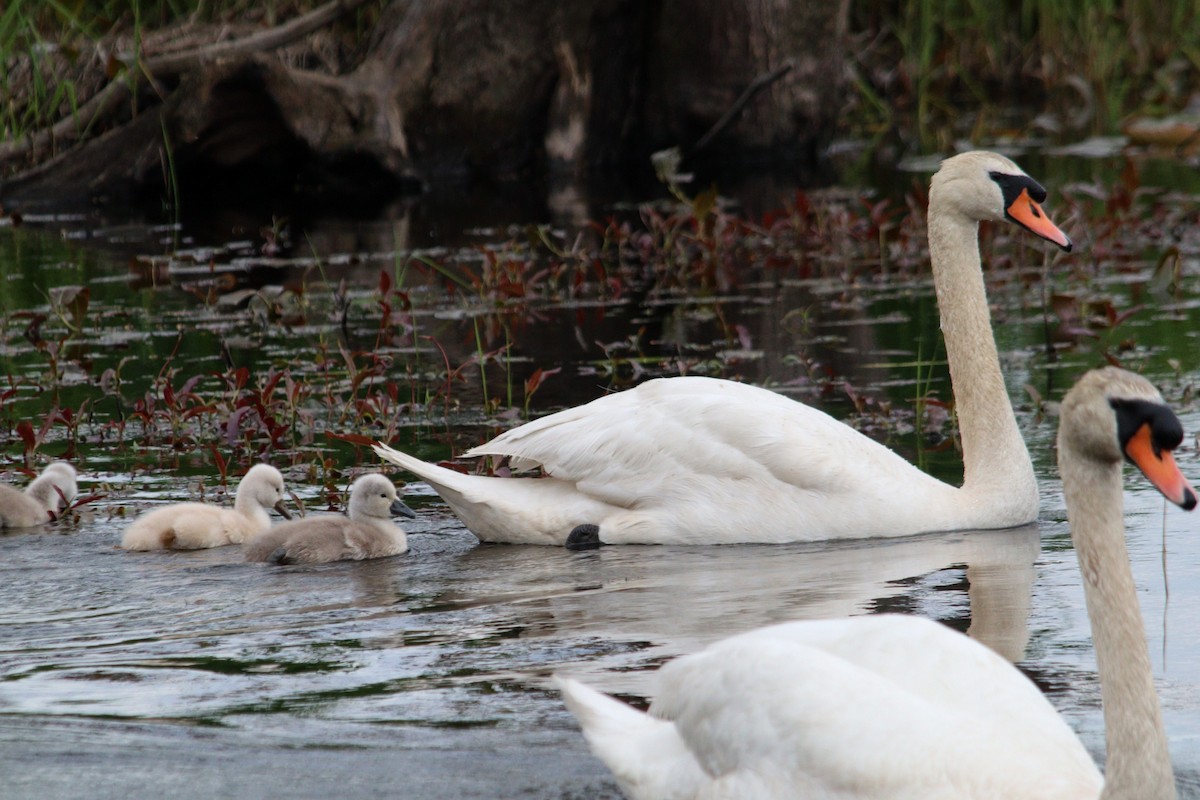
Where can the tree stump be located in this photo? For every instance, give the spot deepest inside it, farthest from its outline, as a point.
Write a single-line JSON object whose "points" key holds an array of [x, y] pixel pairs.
{"points": [[451, 88]]}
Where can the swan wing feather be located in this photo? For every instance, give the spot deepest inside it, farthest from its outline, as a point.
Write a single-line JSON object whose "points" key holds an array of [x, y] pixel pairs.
{"points": [[860, 707]]}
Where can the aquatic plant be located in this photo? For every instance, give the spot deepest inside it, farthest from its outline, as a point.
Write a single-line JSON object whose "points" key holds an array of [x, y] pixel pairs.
{"points": [[933, 71], [306, 360]]}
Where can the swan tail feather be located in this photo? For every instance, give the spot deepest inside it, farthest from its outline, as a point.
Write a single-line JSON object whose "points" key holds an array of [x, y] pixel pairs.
{"points": [[645, 754], [468, 495], [438, 477], [140, 536]]}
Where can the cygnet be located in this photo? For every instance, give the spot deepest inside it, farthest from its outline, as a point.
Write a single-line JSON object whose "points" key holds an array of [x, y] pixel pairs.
{"points": [[368, 532], [43, 500], [194, 526]]}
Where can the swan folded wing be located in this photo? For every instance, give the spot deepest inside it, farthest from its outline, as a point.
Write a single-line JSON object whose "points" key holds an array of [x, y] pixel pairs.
{"points": [[319, 540], [719, 449], [623, 446], [312, 540], [264, 545], [182, 526], [860, 707], [198, 526], [361, 541], [359, 544]]}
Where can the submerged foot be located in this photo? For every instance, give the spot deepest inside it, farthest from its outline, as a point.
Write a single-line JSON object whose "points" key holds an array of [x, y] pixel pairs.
{"points": [[584, 537], [279, 556]]}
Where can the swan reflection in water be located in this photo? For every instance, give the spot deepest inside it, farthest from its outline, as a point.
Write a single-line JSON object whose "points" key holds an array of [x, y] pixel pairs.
{"points": [[674, 600]]}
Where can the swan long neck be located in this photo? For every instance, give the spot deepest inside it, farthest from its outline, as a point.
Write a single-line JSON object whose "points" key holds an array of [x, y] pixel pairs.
{"points": [[1138, 763], [994, 454], [385, 525], [245, 504]]}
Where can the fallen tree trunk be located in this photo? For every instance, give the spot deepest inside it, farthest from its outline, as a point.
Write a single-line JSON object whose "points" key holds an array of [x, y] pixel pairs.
{"points": [[448, 87]]}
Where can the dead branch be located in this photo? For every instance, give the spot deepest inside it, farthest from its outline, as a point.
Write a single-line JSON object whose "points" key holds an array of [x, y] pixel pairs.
{"points": [[756, 85], [104, 102], [280, 35]]}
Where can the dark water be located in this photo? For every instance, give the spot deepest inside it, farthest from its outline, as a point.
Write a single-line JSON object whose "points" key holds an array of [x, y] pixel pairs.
{"points": [[427, 675]]}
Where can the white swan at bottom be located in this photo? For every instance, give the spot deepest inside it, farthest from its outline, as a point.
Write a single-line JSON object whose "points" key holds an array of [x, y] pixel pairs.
{"points": [[900, 707]]}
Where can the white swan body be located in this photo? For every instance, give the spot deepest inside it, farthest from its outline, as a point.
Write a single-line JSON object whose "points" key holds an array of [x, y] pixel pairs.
{"points": [[43, 500], [368, 532], [719, 462], [884, 706], [195, 526], [694, 460], [900, 707]]}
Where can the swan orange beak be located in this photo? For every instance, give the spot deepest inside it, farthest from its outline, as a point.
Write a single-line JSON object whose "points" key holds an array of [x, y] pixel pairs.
{"points": [[1159, 466], [1028, 214]]}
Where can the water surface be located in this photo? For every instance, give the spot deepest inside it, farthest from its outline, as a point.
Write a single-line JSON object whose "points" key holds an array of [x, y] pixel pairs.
{"points": [[427, 675]]}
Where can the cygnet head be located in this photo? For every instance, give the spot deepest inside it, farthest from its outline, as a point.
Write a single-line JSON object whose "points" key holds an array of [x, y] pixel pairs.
{"points": [[987, 186], [374, 496], [55, 489], [1112, 414], [263, 485]]}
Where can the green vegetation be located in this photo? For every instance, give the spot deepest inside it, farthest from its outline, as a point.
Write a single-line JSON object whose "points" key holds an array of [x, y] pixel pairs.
{"points": [[939, 70]]}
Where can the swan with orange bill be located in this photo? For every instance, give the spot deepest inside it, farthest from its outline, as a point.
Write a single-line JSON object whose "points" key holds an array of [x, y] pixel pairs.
{"points": [[891, 706], [695, 460]]}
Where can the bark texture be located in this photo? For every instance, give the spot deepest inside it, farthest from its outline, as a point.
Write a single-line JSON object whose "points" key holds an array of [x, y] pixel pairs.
{"points": [[453, 87]]}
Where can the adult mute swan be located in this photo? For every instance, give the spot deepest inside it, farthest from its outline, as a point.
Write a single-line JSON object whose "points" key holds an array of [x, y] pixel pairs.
{"points": [[693, 460], [44, 499], [195, 526], [368, 532], [894, 707]]}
